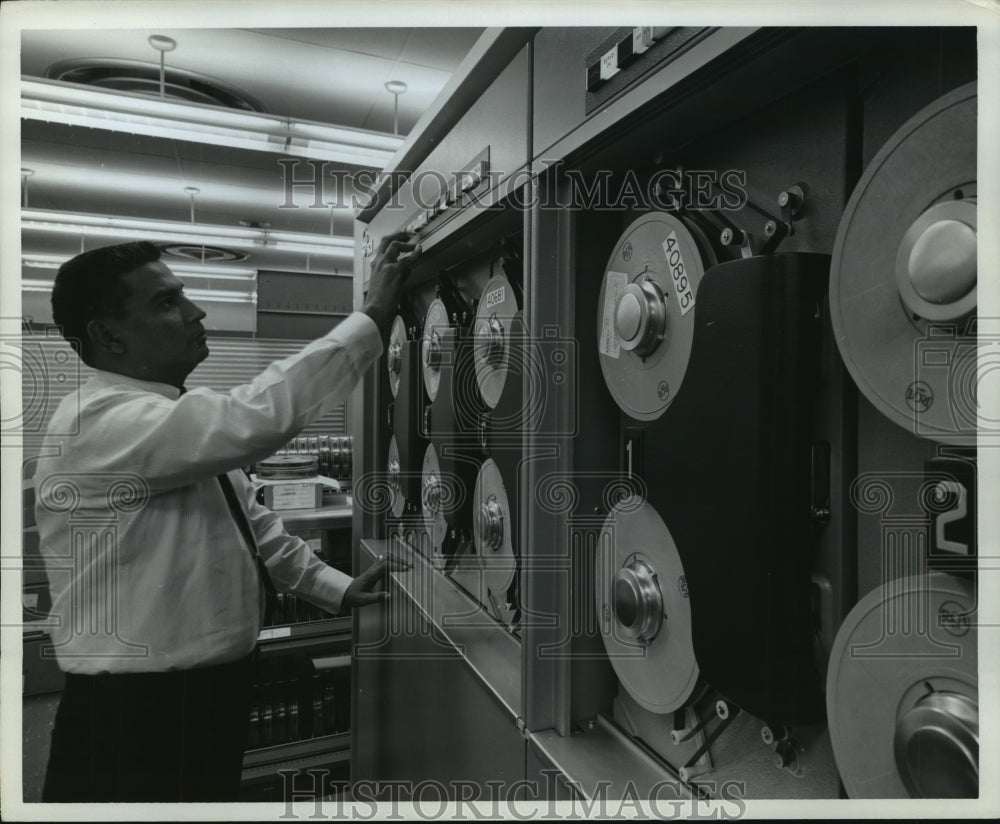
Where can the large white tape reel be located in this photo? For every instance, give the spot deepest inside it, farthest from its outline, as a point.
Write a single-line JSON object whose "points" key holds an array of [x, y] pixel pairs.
{"points": [[643, 607], [645, 323], [394, 353], [435, 323], [492, 529], [492, 341], [903, 278], [902, 697], [434, 493]]}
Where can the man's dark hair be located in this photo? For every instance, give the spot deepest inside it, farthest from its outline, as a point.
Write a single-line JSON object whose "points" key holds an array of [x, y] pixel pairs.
{"points": [[90, 286]]}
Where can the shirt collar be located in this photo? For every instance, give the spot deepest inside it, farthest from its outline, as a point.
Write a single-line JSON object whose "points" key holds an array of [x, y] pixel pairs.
{"points": [[164, 389]]}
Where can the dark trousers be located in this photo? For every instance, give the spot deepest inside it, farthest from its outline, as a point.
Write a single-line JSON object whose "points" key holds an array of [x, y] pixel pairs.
{"points": [[170, 736]]}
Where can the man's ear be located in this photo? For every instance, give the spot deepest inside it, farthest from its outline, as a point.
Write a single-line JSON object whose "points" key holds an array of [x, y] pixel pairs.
{"points": [[104, 338]]}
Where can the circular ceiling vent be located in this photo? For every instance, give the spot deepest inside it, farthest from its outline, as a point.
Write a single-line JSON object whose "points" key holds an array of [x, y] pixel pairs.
{"points": [[201, 254], [144, 78]]}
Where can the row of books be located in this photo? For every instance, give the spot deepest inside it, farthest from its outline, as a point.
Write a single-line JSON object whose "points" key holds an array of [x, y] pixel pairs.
{"points": [[294, 710], [290, 609]]}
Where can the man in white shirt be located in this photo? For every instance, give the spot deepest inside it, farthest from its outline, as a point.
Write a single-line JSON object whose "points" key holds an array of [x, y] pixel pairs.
{"points": [[160, 560]]}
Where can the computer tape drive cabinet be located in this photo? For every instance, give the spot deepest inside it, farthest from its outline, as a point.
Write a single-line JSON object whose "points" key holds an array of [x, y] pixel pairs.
{"points": [[676, 425]]}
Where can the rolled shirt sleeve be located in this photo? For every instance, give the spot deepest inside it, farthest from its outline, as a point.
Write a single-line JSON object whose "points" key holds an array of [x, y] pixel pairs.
{"points": [[291, 563]]}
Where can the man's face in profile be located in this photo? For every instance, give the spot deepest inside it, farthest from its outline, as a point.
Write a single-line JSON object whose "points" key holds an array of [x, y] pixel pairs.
{"points": [[159, 327]]}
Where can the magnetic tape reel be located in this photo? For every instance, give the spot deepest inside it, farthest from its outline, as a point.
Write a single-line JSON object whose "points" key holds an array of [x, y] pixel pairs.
{"points": [[434, 490], [902, 695], [492, 529], [394, 353], [646, 313], [393, 469], [288, 467], [435, 323], [903, 279], [493, 330], [643, 607]]}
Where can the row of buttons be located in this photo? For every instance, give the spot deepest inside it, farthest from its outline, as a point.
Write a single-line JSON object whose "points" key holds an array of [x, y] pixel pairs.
{"points": [[611, 62], [463, 182]]}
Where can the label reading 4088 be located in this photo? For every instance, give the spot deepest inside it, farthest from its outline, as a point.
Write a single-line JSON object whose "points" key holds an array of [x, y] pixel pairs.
{"points": [[678, 273]]}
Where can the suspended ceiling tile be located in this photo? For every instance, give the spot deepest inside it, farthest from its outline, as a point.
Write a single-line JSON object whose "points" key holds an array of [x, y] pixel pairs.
{"points": [[439, 48], [387, 43]]}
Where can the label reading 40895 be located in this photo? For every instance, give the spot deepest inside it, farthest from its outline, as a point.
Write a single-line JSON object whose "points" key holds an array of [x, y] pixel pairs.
{"points": [[678, 273]]}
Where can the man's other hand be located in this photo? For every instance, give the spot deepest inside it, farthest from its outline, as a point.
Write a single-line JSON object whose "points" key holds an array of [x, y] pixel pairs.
{"points": [[367, 587]]}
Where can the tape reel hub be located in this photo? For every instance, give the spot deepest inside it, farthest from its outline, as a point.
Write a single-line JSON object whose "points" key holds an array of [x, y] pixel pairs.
{"points": [[395, 358], [432, 493], [394, 468], [394, 353], [937, 747], [638, 602], [936, 262], [492, 332], [641, 317], [491, 525], [432, 352], [435, 322]]}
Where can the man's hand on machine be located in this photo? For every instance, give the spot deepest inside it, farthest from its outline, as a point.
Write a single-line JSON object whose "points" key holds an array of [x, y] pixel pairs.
{"points": [[367, 587], [395, 257]]}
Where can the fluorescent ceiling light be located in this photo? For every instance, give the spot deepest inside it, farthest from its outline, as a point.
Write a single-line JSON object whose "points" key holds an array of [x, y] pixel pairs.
{"points": [[210, 295], [239, 237], [190, 271], [75, 104], [221, 296]]}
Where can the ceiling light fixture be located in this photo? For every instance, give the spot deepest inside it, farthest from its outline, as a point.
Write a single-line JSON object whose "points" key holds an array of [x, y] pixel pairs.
{"points": [[26, 175], [75, 104], [162, 44], [221, 296], [395, 88], [212, 295], [242, 237], [205, 272]]}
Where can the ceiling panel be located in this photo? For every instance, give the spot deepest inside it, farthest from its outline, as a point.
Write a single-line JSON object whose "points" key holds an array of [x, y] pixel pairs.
{"points": [[439, 48], [386, 42]]}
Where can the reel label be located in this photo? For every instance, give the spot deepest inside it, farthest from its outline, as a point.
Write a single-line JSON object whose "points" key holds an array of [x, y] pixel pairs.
{"points": [[495, 298], [616, 282], [678, 273]]}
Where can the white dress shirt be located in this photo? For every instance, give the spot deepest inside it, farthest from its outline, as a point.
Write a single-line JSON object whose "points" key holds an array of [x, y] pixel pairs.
{"points": [[147, 568]]}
